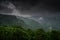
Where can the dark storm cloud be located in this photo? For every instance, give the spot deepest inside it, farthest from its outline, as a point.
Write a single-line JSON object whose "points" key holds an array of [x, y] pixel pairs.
{"points": [[36, 7], [44, 4]]}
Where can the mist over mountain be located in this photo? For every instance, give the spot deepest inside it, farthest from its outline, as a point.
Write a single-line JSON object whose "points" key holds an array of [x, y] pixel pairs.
{"points": [[33, 13], [10, 20]]}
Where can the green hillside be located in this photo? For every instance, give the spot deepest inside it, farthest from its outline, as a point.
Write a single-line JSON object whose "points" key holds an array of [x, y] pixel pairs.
{"points": [[19, 33]]}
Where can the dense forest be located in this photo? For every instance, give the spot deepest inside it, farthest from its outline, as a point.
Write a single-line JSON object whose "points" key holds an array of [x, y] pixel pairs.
{"points": [[19, 33]]}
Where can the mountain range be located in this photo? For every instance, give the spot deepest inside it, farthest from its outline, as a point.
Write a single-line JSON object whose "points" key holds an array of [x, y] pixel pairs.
{"points": [[24, 22], [13, 20]]}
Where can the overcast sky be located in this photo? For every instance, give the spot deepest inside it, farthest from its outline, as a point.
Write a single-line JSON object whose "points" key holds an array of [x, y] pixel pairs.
{"points": [[35, 7], [46, 9]]}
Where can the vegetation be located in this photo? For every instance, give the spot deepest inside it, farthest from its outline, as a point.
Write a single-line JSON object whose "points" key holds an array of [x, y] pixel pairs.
{"points": [[19, 33]]}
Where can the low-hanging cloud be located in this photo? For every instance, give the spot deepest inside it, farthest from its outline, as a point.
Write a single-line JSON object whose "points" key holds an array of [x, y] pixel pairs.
{"points": [[14, 10]]}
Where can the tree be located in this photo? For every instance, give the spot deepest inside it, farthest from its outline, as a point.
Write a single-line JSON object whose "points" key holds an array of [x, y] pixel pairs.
{"points": [[40, 35]]}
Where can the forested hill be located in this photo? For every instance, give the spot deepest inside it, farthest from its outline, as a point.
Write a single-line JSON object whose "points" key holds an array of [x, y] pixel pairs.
{"points": [[9, 20], [21, 21]]}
